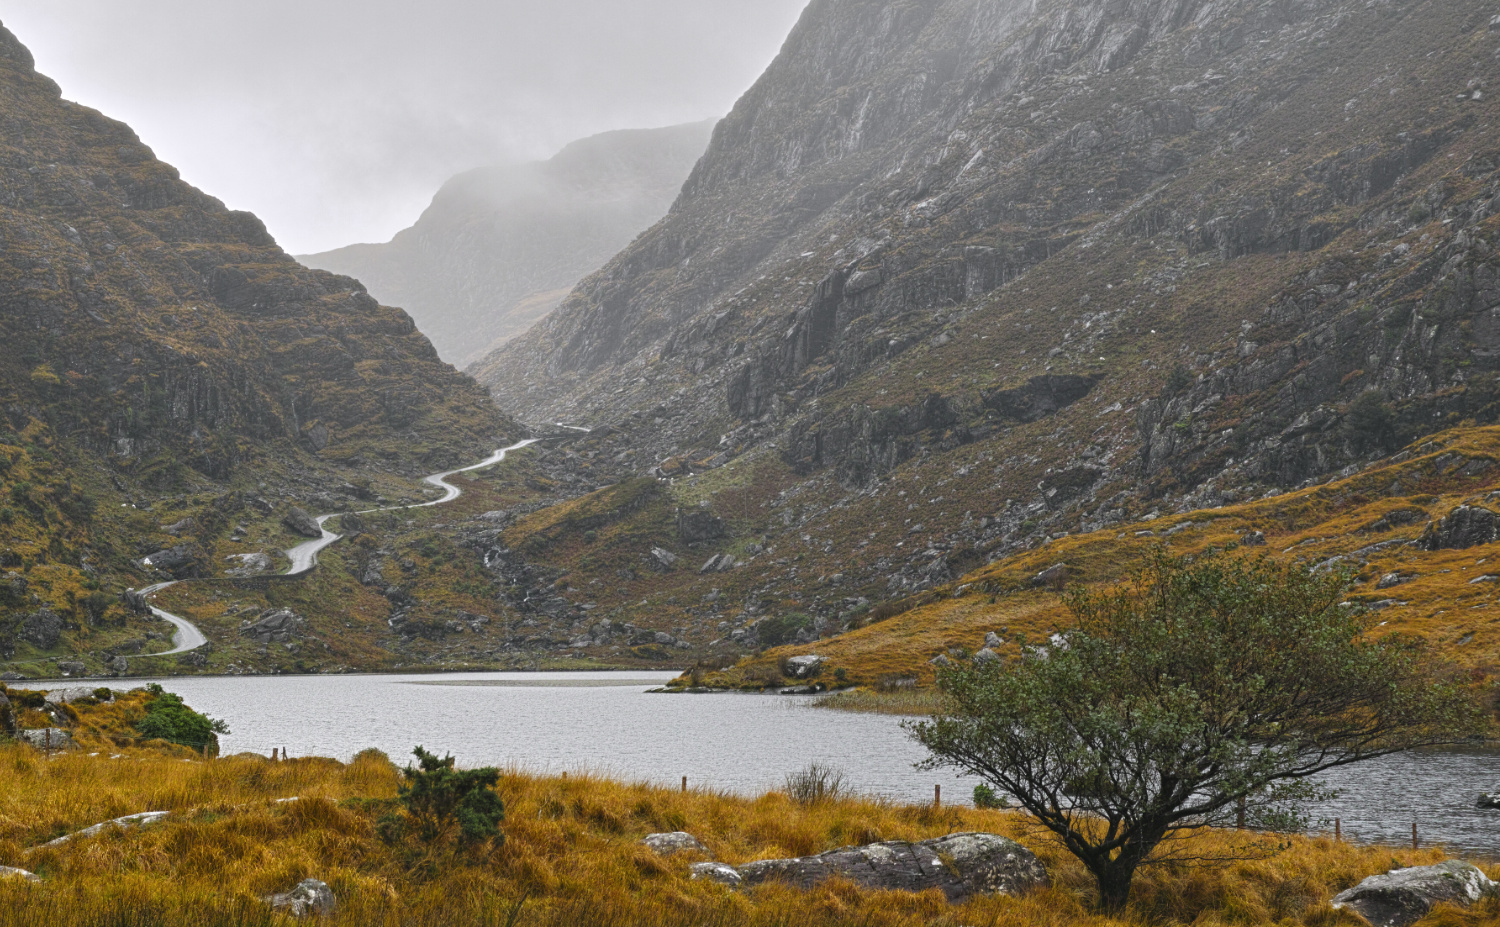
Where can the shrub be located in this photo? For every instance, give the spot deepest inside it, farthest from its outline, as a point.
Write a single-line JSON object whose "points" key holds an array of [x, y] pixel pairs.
{"points": [[986, 797], [816, 784], [167, 718], [781, 629], [437, 798]]}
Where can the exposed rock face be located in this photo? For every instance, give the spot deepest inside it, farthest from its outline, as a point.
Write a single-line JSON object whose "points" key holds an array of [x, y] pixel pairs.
{"points": [[1404, 896], [181, 562], [501, 246], [41, 629], [960, 865], [310, 898], [143, 819], [10, 872], [805, 667], [697, 525], [1465, 526], [246, 565], [47, 738], [898, 245]]}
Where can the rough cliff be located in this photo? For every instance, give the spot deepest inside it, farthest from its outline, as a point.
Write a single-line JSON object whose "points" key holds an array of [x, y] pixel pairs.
{"points": [[500, 247]]}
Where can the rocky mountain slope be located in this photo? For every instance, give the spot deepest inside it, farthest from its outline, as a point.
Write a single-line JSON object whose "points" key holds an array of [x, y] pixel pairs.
{"points": [[959, 279], [500, 247], [172, 383]]}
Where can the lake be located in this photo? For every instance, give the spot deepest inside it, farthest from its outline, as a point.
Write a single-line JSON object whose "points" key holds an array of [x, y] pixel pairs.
{"points": [[607, 723]]}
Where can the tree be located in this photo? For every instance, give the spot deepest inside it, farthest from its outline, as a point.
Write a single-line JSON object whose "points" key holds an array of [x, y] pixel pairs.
{"points": [[436, 797], [1197, 693]]}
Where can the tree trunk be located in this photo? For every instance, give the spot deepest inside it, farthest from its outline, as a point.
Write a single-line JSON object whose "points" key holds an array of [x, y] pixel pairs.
{"points": [[1114, 885]]}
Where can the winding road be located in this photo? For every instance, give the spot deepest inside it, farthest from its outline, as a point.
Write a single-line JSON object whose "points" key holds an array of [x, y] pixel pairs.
{"points": [[304, 556]]}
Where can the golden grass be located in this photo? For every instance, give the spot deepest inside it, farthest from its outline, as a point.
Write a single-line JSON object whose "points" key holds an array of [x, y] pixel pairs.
{"points": [[1441, 601], [571, 852], [909, 702]]}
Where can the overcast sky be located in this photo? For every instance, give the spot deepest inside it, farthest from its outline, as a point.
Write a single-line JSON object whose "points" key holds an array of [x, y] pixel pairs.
{"points": [[336, 120]]}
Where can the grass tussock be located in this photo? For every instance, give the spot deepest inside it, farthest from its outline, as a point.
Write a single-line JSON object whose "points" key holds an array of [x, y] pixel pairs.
{"points": [[570, 855], [911, 702]]}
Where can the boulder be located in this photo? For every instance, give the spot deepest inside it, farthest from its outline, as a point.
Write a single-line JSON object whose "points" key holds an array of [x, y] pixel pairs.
{"points": [[941, 661], [1253, 539], [47, 738], [993, 640], [1389, 580], [1464, 527], [8, 872], [959, 865], [804, 667], [298, 521], [696, 526], [1404, 896], [71, 668], [70, 694], [11, 677], [310, 898], [663, 559], [13, 587], [986, 656], [179, 528], [1054, 575], [1489, 801], [119, 666], [676, 842], [125, 823], [41, 629]]}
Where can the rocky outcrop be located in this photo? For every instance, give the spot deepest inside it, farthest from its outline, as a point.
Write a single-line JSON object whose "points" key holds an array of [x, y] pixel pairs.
{"points": [[1489, 801], [47, 738], [41, 629], [805, 667], [1465, 526], [311, 898], [10, 872], [1404, 896], [959, 865], [695, 526], [143, 819], [273, 626]]}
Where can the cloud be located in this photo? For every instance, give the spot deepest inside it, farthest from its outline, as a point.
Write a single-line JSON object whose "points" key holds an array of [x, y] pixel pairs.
{"points": [[336, 120]]}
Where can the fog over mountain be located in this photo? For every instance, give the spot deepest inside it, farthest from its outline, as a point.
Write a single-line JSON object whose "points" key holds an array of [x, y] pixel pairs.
{"points": [[501, 246], [336, 120]]}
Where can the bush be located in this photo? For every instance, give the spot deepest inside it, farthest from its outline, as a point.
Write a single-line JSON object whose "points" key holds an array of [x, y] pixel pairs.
{"points": [[781, 629], [816, 784], [986, 797], [167, 718], [437, 798]]}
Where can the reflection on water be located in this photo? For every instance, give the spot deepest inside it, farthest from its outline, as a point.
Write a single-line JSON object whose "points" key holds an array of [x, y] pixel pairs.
{"points": [[607, 723]]}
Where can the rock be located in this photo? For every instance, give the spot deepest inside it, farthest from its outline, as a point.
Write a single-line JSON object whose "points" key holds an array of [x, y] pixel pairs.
{"points": [[142, 819], [351, 524], [986, 656], [722, 873], [711, 565], [726, 562], [8, 872], [1489, 801], [814, 689], [47, 738], [675, 842], [1054, 575], [696, 526], [1464, 527], [1486, 578], [1389, 580], [941, 661], [1253, 539], [993, 640], [960, 865], [299, 521], [179, 528], [273, 626], [42, 629], [663, 559], [71, 668], [805, 667], [119, 666], [11, 677], [13, 586], [309, 898], [180, 561], [1403, 896], [71, 694], [249, 564]]}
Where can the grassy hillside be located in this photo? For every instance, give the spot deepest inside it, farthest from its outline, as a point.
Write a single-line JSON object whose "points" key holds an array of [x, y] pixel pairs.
{"points": [[570, 855]]}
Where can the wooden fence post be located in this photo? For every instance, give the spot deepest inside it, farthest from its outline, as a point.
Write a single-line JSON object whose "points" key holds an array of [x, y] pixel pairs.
{"points": [[937, 796], [1414, 844], [1338, 830], [1239, 815], [684, 783]]}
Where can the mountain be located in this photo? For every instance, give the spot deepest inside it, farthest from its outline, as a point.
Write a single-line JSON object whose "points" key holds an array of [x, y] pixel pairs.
{"points": [[957, 280], [500, 247], [172, 380]]}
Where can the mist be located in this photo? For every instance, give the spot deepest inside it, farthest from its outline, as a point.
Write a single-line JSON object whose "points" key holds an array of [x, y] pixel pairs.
{"points": [[336, 120]]}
